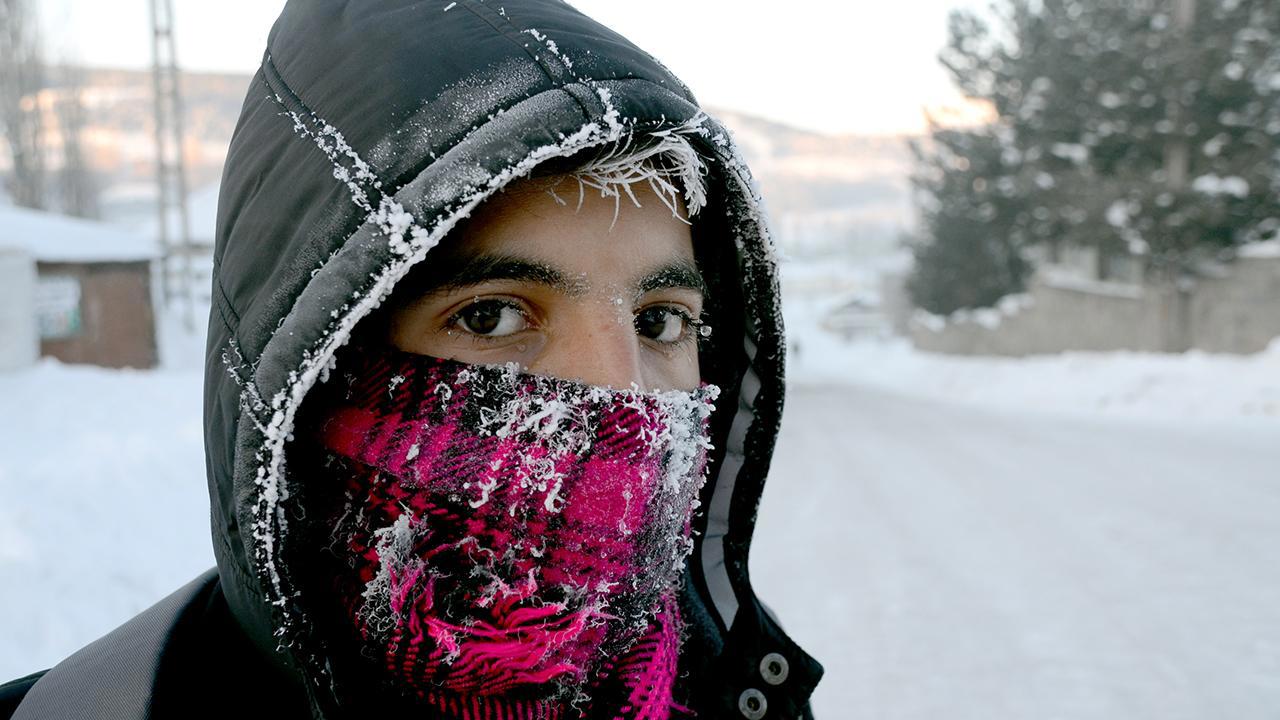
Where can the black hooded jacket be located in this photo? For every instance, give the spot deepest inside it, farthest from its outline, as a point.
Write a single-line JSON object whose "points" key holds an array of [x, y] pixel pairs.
{"points": [[371, 129]]}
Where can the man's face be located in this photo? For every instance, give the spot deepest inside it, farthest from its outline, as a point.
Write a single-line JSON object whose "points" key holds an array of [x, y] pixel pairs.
{"points": [[564, 291]]}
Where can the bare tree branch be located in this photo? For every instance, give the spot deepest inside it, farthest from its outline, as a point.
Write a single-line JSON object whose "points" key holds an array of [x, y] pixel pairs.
{"points": [[21, 120]]}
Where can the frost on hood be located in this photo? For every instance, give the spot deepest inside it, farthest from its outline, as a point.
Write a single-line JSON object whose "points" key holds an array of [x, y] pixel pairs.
{"points": [[409, 239], [484, 92]]}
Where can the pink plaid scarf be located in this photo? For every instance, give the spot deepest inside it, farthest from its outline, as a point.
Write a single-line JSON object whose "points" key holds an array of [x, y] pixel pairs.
{"points": [[510, 545]]}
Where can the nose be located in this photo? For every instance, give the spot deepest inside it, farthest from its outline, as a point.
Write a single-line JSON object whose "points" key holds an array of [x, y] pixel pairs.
{"points": [[595, 351]]}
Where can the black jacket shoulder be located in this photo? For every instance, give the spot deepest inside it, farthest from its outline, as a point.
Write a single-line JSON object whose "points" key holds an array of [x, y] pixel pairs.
{"points": [[12, 692]]}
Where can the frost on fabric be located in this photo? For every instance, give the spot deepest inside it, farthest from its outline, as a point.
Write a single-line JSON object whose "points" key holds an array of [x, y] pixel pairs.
{"points": [[518, 529], [557, 419], [352, 170], [457, 112], [384, 594], [551, 45], [758, 251], [388, 218], [410, 239], [612, 118]]}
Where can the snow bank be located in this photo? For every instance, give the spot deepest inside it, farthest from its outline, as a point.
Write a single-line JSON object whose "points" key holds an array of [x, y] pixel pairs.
{"points": [[1265, 249], [103, 508], [990, 318], [1190, 388]]}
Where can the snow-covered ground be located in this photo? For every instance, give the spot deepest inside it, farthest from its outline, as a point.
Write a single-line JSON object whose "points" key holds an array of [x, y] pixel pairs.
{"points": [[1088, 536], [102, 503], [955, 562], [1176, 390]]}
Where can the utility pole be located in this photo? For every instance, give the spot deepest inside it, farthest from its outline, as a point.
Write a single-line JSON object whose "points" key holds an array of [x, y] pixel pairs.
{"points": [[171, 176]]}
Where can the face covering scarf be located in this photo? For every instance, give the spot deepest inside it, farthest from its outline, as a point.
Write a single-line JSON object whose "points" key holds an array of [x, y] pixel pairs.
{"points": [[507, 544]]}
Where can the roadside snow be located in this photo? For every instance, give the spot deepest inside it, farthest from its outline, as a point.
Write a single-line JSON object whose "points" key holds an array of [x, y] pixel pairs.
{"points": [[1261, 249], [945, 561], [1190, 388], [102, 503]]}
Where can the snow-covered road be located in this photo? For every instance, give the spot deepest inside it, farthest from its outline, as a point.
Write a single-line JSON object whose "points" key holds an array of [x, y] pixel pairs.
{"points": [[950, 562]]}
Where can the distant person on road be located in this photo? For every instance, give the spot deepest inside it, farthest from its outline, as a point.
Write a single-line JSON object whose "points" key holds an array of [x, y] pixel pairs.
{"points": [[495, 369]]}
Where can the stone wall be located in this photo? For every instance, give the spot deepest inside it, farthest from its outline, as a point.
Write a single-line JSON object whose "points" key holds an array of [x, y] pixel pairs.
{"points": [[1237, 311]]}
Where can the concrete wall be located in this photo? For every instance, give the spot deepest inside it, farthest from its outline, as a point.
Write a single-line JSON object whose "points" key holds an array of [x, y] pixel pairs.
{"points": [[19, 338], [1238, 312], [1241, 312], [895, 302]]}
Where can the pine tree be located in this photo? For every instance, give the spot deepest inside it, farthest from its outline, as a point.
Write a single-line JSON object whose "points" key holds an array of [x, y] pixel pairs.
{"points": [[969, 257], [1146, 127]]}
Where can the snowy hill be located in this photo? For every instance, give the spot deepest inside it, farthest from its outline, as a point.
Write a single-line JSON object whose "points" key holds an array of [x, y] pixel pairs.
{"points": [[827, 193]]}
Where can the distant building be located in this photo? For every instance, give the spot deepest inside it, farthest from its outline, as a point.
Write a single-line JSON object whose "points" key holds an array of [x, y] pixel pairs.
{"points": [[92, 292]]}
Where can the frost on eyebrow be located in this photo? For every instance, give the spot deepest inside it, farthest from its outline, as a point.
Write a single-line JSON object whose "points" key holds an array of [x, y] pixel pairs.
{"points": [[674, 275]]}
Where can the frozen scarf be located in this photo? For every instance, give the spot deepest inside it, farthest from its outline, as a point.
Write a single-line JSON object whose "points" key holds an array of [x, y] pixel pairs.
{"points": [[505, 544]]}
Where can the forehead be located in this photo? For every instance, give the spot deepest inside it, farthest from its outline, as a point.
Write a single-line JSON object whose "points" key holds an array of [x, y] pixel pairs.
{"points": [[562, 222], [555, 233]]}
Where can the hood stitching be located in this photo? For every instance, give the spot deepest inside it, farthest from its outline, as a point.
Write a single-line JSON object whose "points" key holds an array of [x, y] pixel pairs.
{"points": [[250, 396], [392, 221], [524, 47], [226, 301]]}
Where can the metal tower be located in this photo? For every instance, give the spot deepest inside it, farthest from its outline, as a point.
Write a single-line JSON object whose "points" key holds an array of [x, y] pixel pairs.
{"points": [[175, 224]]}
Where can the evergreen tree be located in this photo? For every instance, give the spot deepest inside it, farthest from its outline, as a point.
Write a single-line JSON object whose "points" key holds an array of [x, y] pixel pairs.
{"points": [[962, 183], [1149, 127]]}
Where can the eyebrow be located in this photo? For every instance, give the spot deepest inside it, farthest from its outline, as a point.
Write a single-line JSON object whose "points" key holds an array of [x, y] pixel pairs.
{"points": [[679, 274], [461, 272]]}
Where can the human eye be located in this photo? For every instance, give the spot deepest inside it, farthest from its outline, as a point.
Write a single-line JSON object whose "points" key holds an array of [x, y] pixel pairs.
{"points": [[490, 318], [667, 324]]}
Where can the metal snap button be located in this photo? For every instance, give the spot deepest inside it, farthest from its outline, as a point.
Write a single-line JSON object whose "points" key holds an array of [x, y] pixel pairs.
{"points": [[752, 705], [774, 669]]}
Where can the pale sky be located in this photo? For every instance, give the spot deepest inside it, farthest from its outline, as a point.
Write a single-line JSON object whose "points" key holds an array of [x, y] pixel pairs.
{"points": [[847, 66]]}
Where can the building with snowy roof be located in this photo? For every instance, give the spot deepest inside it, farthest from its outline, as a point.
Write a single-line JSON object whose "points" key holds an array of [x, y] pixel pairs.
{"points": [[82, 291]]}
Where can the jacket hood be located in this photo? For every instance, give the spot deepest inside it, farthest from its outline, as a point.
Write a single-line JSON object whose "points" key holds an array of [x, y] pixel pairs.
{"points": [[372, 129]]}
